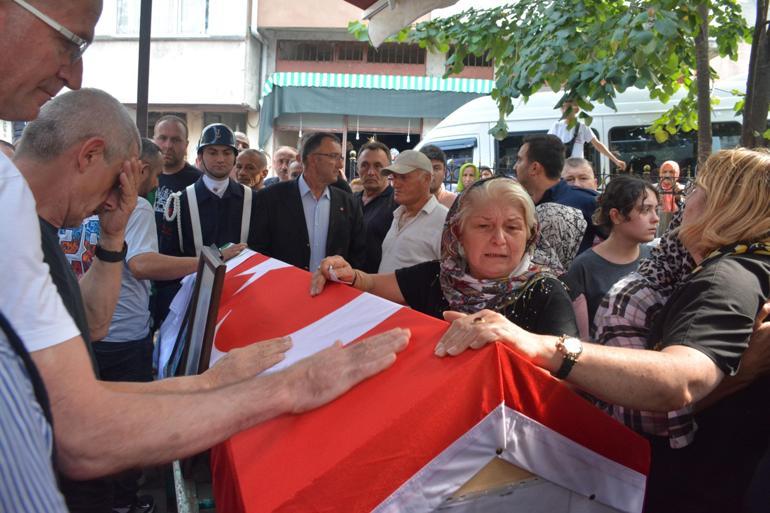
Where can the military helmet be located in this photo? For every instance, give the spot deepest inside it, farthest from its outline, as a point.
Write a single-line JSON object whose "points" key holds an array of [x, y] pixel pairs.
{"points": [[219, 134]]}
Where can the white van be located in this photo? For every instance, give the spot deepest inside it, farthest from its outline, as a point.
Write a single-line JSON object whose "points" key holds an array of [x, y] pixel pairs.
{"points": [[464, 134]]}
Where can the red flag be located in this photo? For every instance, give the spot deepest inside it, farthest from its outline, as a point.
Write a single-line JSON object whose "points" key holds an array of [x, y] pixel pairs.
{"points": [[407, 438]]}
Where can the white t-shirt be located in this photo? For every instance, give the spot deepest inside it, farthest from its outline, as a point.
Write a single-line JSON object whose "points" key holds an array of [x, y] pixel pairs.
{"points": [[131, 320], [29, 299], [563, 132], [417, 241]]}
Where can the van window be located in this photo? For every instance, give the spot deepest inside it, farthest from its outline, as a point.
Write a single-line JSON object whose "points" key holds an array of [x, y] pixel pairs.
{"points": [[507, 149], [458, 152], [644, 154]]}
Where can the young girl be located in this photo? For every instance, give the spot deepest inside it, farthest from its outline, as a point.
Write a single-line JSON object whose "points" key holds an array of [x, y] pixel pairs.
{"points": [[627, 212]]}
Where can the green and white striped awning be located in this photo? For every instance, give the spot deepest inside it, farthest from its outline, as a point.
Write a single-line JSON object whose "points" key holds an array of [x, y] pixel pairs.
{"points": [[391, 82], [363, 95]]}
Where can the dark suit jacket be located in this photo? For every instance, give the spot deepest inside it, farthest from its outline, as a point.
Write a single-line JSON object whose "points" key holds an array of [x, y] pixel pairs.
{"points": [[280, 230]]}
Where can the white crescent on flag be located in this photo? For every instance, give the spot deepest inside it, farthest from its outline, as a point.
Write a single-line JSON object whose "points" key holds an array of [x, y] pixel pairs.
{"points": [[407, 439]]}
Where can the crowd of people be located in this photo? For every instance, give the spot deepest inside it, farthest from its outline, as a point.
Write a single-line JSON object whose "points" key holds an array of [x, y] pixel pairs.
{"points": [[667, 335]]}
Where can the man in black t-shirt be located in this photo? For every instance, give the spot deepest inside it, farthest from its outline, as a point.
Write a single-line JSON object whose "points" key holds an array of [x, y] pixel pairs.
{"points": [[171, 137], [376, 200]]}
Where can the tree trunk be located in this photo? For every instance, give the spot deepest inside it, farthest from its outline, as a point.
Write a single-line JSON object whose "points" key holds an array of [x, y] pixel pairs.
{"points": [[703, 77], [758, 83]]}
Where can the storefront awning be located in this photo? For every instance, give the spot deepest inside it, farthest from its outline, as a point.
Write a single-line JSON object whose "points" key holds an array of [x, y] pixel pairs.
{"points": [[363, 95]]}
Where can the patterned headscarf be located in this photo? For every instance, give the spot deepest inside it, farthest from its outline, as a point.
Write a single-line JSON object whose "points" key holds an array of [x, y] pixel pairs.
{"points": [[468, 294]]}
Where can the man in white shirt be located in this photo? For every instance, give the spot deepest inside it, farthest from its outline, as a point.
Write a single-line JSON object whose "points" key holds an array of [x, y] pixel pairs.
{"points": [[415, 234], [577, 135]]}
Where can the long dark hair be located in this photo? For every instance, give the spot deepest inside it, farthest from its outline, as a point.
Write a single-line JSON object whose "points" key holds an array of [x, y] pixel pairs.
{"points": [[621, 193]]}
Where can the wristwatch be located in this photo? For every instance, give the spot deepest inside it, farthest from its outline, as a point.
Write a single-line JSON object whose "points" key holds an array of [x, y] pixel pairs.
{"points": [[571, 348], [111, 256]]}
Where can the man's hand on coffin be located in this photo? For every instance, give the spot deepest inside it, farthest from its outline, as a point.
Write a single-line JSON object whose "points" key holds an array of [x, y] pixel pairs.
{"points": [[326, 375], [246, 362], [332, 268], [479, 329], [232, 251]]}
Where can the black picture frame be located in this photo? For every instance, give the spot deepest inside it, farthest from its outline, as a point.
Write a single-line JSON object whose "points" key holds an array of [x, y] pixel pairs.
{"points": [[197, 332]]}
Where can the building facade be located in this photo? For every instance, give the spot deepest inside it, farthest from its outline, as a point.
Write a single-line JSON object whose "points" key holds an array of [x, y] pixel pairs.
{"points": [[275, 70]]}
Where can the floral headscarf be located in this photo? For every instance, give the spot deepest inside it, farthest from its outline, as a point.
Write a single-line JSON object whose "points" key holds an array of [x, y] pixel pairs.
{"points": [[468, 294], [476, 175]]}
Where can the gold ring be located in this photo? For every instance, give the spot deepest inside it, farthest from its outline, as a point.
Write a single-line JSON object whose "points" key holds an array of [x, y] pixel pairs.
{"points": [[478, 319]]}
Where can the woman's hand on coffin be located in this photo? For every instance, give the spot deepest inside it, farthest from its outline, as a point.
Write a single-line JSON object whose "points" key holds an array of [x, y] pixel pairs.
{"points": [[479, 329]]}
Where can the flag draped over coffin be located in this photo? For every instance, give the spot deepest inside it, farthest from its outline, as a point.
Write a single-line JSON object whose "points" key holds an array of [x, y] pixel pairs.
{"points": [[408, 438]]}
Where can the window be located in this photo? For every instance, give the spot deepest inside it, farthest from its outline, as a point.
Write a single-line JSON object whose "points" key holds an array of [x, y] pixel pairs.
{"points": [[235, 120], [644, 154], [128, 17], [480, 61], [395, 53], [458, 152], [183, 17], [305, 51], [153, 117], [508, 149], [350, 51]]}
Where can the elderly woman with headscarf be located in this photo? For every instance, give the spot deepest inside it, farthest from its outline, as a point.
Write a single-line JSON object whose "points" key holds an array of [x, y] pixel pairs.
{"points": [[699, 337], [486, 263]]}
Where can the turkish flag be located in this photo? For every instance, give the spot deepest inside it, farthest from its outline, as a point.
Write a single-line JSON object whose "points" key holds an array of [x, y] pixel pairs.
{"points": [[410, 437]]}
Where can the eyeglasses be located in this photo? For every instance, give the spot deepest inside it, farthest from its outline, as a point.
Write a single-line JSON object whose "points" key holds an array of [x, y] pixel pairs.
{"points": [[80, 44], [334, 156]]}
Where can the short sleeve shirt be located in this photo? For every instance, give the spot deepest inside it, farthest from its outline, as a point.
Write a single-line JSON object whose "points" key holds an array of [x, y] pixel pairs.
{"points": [[29, 300], [417, 240], [584, 135], [714, 311], [131, 320], [168, 184], [593, 276]]}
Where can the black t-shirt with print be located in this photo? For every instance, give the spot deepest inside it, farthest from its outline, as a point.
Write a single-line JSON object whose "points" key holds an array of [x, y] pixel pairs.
{"points": [[168, 184]]}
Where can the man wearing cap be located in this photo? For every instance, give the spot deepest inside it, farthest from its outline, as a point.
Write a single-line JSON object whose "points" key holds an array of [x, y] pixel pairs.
{"points": [[222, 209], [415, 234]]}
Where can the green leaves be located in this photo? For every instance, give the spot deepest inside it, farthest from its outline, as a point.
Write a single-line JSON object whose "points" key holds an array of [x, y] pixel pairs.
{"points": [[591, 49]]}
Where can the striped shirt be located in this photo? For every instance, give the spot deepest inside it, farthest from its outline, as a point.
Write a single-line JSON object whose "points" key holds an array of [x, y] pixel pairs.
{"points": [[27, 482]]}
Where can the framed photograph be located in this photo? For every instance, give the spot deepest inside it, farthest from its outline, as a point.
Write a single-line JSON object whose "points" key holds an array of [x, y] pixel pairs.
{"points": [[197, 333]]}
